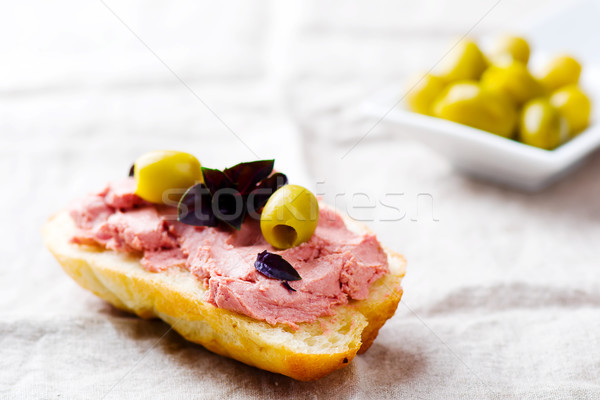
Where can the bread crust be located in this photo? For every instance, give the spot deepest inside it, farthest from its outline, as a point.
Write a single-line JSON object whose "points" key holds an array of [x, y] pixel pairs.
{"points": [[175, 296]]}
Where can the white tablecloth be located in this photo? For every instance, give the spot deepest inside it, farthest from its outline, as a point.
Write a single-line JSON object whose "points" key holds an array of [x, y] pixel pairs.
{"points": [[502, 295]]}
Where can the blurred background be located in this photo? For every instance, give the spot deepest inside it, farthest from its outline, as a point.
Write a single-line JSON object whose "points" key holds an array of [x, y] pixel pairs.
{"points": [[497, 281]]}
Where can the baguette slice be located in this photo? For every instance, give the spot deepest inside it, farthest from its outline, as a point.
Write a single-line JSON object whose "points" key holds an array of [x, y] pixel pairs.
{"points": [[176, 296]]}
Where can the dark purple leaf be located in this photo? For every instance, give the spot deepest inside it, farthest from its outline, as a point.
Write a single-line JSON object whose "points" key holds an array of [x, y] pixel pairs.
{"points": [[247, 175], [265, 189], [227, 202], [274, 266], [215, 180], [195, 207], [286, 285], [230, 195], [131, 169], [229, 208]]}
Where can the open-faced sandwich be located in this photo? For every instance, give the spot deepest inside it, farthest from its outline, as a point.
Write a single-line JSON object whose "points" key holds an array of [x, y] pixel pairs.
{"points": [[238, 260]]}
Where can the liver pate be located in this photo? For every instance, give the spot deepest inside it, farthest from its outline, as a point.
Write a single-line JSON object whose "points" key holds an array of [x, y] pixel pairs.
{"points": [[336, 264]]}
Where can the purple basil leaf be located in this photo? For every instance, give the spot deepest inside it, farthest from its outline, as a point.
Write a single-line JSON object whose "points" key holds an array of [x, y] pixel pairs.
{"points": [[229, 208], [228, 195], [265, 189], [131, 169], [274, 266], [195, 207], [227, 202], [286, 285], [247, 175], [215, 180]]}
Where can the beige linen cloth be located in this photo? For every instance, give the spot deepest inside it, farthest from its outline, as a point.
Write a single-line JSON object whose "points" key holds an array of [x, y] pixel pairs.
{"points": [[502, 295]]}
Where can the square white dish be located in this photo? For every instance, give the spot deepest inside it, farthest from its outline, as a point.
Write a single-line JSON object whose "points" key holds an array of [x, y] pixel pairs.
{"points": [[485, 155]]}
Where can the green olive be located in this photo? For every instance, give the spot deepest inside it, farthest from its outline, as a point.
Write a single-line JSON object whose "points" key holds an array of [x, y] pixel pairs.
{"points": [[422, 91], [158, 172], [290, 217], [512, 48], [464, 61], [562, 71], [512, 79], [542, 126], [468, 103], [574, 105]]}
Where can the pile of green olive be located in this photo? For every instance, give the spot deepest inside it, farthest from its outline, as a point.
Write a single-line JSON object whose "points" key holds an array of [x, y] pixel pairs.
{"points": [[288, 219], [497, 93]]}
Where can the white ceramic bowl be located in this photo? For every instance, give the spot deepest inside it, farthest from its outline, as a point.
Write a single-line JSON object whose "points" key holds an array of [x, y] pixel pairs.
{"points": [[485, 155]]}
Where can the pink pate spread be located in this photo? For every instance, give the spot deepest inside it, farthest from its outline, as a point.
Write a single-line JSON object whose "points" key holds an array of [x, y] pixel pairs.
{"points": [[336, 265]]}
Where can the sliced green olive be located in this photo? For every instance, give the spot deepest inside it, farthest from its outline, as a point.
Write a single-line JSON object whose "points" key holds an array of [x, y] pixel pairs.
{"points": [[468, 103], [562, 71], [290, 217], [542, 126], [465, 61], [574, 105], [158, 172], [511, 48], [422, 91], [512, 79]]}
